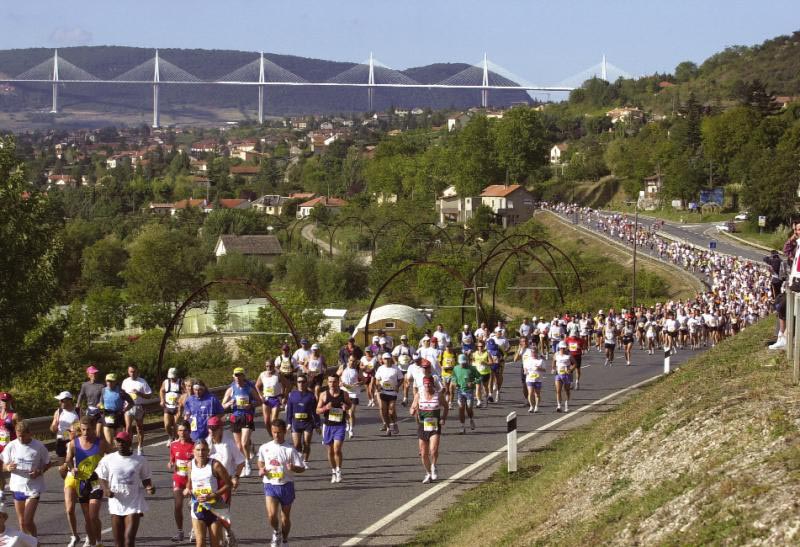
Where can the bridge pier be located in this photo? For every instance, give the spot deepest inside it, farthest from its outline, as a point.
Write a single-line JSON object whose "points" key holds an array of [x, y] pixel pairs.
{"points": [[156, 80], [260, 104], [54, 109]]}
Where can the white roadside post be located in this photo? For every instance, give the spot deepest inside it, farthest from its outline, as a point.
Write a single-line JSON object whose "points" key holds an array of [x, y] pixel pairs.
{"points": [[667, 353], [511, 438]]}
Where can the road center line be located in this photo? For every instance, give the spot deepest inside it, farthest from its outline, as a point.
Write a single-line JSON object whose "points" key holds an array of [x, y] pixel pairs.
{"points": [[394, 515]]}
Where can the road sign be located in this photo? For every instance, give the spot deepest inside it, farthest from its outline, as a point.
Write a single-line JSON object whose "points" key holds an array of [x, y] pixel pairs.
{"points": [[762, 221], [712, 244]]}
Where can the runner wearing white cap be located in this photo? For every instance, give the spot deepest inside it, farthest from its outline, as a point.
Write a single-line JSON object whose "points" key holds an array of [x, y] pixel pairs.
{"points": [[63, 418], [170, 396]]}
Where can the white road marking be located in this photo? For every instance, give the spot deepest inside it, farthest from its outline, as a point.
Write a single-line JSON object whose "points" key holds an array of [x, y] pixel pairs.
{"points": [[107, 530], [388, 519]]}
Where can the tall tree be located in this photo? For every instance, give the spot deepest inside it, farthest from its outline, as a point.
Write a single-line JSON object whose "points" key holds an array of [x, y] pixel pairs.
{"points": [[28, 282], [521, 142]]}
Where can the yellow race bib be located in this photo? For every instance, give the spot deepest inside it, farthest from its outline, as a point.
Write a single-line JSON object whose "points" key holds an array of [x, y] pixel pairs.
{"points": [[430, 424], [336, 415]]}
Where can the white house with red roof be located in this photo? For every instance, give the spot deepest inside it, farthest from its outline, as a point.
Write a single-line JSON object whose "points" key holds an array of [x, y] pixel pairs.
{"points": [[332, 204], [512, 203]]}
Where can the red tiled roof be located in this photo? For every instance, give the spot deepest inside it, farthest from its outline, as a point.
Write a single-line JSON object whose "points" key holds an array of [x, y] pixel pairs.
{"points": [[499, 190], [231, 203], [325, 201], [184, 203], [244, 170]]}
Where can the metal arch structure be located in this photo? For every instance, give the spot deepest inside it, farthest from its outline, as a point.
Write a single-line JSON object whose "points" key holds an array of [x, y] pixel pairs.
{"points": [[342, 222], [390, 222], [421, 224], [292, 226], [515, 252], [411, 265], [226, 281]]}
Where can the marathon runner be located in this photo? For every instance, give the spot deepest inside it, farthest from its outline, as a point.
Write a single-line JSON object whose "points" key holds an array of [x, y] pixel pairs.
{"points": [[8, 432], [499, 340], [81, 483], [170, 398], [122, 475], [92, 392], [609, 340], [351, 381], [27, 460], [199, 408], [181, 453], [448, 364], [389, 379], [223, 448], [315, 368], [331, 407], [270, 386], [368, 365], [481, 360], [466, 379], [563, 366], [575, 346], [301, 411], [628, 328], [277, 463], [11, 536], [430, 409], [70, 488], [63, 418], [209, 485], [286, 366], [242, 398], [139, 390], [114, 403], [533, 370]]}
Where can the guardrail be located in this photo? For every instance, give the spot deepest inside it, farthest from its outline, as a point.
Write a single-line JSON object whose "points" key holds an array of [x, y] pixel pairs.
{"points": [[792, 333]]}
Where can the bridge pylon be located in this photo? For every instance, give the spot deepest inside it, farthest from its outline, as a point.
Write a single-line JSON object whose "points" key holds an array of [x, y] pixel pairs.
{"points": [[485, 83], [261, 89], [371, 82], [54, 110], [156, 80]]}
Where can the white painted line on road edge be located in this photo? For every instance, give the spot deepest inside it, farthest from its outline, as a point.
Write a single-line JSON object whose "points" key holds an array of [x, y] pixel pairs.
{"points": [[107, 530], [388, 519]]}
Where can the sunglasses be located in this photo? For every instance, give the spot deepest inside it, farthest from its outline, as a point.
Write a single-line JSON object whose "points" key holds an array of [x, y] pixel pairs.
{"points": [[301, 381]]}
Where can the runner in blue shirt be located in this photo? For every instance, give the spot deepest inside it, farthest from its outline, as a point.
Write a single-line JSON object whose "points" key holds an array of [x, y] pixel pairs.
{"points": [[301, 412], [199, 407]]}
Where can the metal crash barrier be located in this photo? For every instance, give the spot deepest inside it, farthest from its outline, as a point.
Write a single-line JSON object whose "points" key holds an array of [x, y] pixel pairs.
{"points": [[793, 334]]}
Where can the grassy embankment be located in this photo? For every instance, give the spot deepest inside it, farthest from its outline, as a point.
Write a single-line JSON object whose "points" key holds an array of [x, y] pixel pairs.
{"points": [[708, 455]]}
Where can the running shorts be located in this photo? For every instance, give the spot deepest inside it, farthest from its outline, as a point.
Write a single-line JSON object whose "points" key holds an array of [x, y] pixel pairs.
{"points": [[61, 447], [627, 340], [112, 419], [610, 345], [387, 397], [201, 514], [136, 412], [170, 411], [284, 493], [179, 482], [466, 397], [332, 433], [89, 490], [243, 421], [426, 435], [536, 385], [565, 379], [273, 402], [578, 360]]}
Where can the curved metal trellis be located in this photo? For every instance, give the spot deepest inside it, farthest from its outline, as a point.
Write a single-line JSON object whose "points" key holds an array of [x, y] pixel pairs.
{"points": [[178, 315], [515, 252], [342, 222], [417, 226], [416, 264]]}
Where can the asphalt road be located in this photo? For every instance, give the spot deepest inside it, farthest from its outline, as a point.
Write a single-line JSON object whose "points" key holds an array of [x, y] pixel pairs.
{"points": [[380, 474]]}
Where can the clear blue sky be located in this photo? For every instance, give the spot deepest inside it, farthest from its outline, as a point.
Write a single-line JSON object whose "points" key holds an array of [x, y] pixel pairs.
{"points": [[545, 42]]}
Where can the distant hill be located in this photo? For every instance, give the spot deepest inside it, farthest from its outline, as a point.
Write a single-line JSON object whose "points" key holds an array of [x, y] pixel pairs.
{"points": [[207, 101]]}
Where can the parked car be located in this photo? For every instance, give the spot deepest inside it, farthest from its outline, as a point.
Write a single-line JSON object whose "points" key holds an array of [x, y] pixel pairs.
{"points": [[744, 215], [728, 226]]}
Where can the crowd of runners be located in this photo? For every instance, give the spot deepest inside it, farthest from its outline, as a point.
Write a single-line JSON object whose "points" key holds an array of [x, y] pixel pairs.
{"points": [[299, 394]]}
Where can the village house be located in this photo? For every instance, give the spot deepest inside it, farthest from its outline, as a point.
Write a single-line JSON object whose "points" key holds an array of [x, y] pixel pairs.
{"points": [[625, 114], [452, 208], [557, 152], [265, 247], [332, 204], [270, 204], [245, 171], [512, 203]]}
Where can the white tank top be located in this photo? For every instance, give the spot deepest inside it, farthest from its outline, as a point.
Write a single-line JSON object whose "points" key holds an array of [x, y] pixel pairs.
{"points": [[350, 382], [428, 405], [562, 363], [65, 420], [270, 385], [203, 480], [315, 364]]}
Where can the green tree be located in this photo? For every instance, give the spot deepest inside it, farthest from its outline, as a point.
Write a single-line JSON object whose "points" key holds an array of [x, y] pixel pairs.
{"points": [[164, 267], [520, 139], [474, 160], [28, 281], [222, 314], [725, 135], [102, 263], [686, 71], [105, 309]]}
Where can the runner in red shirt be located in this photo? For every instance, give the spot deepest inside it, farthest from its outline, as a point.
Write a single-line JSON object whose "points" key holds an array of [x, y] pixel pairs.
{"points": [[575, 346], [181, 452]]}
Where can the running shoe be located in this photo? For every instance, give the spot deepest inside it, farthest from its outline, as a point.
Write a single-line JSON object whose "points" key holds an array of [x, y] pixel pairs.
{"points": [[350, 433], [177, 538], [305, 464], [427, 478], [139, 451], [275, 540], [530, 410], [246, 470], [491, 399], [395, 429], [333, 476], [434, 476], [558, 408], [472, 424], [404, 402], [535, 409], [463, 429], [73, 542], [382, 427], [338, 475], [566, 407], [87, 542]]}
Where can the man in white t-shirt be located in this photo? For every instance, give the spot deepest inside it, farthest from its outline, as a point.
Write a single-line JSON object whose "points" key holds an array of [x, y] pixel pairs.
{"points": [[302, 353], [222, 447], [26, 459], [12, 537], [441, 336], [139, 390], [124, 477], [277, 463]]}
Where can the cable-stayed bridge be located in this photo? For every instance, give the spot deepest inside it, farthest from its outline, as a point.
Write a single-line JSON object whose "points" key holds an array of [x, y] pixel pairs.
{"points": [[484, 76]]}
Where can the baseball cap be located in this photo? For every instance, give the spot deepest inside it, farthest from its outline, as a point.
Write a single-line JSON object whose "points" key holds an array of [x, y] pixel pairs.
{"points": [[5, 396], [214, 421], [64, 395], [123, 436], [111, 377], [91, 369], [562, 345], [416, 357], [387, 355], [238, 370], [462, 359], [368, 350], [314, 346], [404, 337], [303, 341], [466, 326], [172, 373]]}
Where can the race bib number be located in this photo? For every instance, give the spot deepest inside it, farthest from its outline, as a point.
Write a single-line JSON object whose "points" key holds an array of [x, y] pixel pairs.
{"points": [[482, 368], [242, 401], [134, 396], [336, 415], [110, 420], [430, 424], [171, 399], [447, 372], [275, 473], [193, 423], [202, 491], [182, 467], [5, 437], [388, 386], [573, 346], [533, 376], [301, 415], [269, 391]]}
